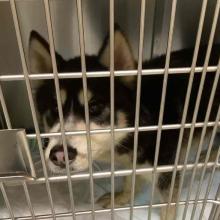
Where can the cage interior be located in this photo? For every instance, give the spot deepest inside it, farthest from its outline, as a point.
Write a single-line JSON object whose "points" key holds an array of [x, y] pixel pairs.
{"points": [[79, 28]]}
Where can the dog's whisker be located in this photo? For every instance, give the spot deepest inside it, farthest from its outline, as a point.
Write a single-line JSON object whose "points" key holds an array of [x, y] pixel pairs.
{"points": [[123, 146]]}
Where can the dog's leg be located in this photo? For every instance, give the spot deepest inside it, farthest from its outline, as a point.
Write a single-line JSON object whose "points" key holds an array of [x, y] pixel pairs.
{"points": [[124, 197], [164, 190], [121, 198]]}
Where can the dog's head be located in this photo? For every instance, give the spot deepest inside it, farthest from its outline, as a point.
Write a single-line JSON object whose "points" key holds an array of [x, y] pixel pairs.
{"points": [[72, 97]]}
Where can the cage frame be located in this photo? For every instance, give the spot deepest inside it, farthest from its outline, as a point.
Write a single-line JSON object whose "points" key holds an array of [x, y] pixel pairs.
{"points": [[206, 69]]}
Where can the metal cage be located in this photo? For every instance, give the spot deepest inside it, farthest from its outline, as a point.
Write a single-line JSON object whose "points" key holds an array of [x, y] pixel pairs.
{"points": [[160, 12]]}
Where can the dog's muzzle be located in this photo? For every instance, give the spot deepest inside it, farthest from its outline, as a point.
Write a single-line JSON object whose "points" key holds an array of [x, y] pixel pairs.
{"points": [[57, 155]]}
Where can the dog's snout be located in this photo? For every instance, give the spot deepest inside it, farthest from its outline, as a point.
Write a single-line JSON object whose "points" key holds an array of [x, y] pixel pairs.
{"points": [[57, 155]]}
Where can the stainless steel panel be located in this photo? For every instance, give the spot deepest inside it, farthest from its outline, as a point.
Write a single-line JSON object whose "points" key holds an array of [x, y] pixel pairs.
{"points": [[15, 158]]}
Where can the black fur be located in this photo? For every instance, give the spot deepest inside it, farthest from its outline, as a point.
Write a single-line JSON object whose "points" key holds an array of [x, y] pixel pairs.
{"points": [[125, 100], [100, 87], [175, 99], [175, 96]]}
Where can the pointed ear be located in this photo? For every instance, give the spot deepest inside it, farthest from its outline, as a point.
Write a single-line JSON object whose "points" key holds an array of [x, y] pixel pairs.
{"points": [[39, 55], [123, 55]]}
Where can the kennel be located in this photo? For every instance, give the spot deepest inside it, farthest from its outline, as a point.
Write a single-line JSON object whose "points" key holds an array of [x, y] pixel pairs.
{"points": [[76, 28]]}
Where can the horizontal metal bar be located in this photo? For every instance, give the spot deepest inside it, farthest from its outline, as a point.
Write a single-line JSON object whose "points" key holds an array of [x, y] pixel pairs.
{"points": [[10, 77], [117, 173], [17, 0], [100, 211], [128, 129]]}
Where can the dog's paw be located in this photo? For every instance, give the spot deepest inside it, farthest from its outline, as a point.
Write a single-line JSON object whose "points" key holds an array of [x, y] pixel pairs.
{"points": [[121, 199], [105, 201]]}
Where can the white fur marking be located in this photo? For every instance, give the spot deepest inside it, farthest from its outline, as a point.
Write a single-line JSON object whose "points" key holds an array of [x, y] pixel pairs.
{"points": [[81, 96], [63, 95], [100, 143], [40, 60]]}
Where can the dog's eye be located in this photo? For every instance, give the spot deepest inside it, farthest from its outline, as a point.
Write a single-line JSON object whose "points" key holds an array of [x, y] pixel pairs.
{"points": [[56, 109], [45, 143], [52, 115], [95, 107]]}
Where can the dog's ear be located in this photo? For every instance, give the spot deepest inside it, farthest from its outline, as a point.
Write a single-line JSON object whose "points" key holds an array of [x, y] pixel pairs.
{"points": [[45, 99], [123, 55], [44, 96], [39, 54]]}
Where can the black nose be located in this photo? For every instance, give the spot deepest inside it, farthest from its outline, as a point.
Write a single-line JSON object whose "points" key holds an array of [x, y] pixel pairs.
{"points": [[57, 155]]}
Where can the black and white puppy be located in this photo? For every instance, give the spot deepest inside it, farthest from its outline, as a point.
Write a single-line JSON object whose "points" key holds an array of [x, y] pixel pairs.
{"points": [[73, 103], [125, 98]]}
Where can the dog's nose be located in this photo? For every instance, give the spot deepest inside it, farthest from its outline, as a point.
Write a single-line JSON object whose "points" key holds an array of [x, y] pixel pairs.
{"points": [[57, 155]]}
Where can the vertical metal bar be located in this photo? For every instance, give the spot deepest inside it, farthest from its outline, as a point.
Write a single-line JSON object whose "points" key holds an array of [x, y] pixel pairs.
{"points": [[214, 206], [4, 108], [186, 103], [212, 212], [138, 99], [85, 94], [31, 101], [59, 102], [162, 104], [209, 149], [209, 186], [211, 38], [27, 195], [215, 83], [7, 202], [112, 103], [217, 214], [156, 6]]}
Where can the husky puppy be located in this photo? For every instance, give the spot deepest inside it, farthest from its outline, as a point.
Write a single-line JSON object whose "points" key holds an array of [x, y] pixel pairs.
{"points": [[72, 96]]}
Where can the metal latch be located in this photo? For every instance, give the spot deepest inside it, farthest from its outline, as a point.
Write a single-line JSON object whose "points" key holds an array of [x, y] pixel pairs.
{"points": [[15, 157]]}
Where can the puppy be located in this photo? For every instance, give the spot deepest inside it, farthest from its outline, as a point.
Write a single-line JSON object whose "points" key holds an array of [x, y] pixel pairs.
{"points": [[72, 96]]}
